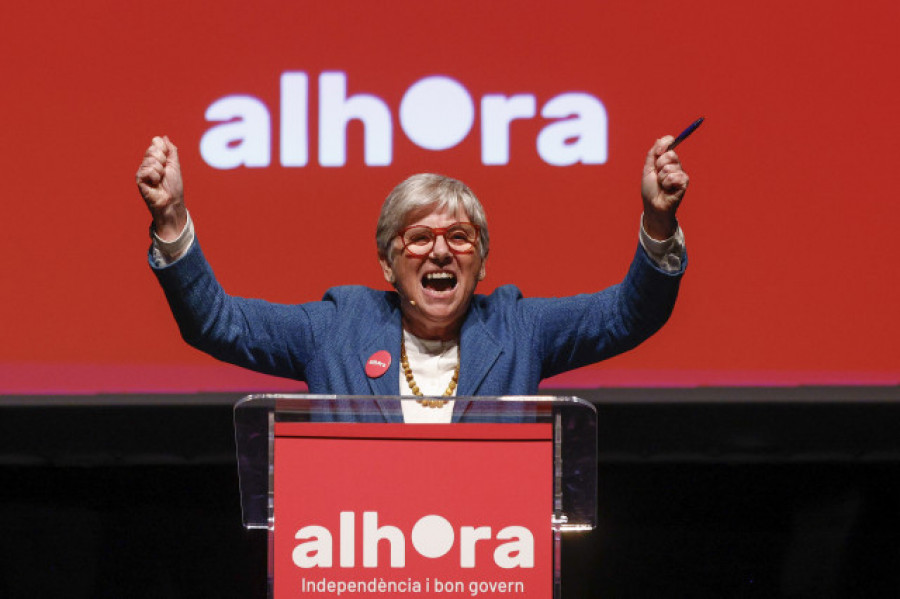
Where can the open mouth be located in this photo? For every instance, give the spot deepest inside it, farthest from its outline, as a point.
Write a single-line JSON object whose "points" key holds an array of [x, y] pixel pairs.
{"points": [[439, 281]]}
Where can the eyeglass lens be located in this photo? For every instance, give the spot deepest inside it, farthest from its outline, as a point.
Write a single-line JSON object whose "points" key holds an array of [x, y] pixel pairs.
{"points": [[460, 237]]}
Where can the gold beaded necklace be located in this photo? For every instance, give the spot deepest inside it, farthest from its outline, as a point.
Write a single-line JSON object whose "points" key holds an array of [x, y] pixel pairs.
{"points": [[407, 372]]}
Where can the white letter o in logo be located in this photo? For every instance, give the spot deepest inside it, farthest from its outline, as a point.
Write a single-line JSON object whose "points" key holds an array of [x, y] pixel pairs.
{"points": [[436, 112], [432, 536]]}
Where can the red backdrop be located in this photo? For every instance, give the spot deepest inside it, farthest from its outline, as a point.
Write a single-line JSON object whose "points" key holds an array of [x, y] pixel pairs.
{"points": [[789, 220]]}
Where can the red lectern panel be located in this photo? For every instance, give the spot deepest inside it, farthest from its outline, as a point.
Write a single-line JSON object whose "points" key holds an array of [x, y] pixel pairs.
{"points": [[426, 510]]}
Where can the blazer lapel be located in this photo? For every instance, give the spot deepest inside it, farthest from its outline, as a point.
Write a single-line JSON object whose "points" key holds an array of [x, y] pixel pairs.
{"points": [[478, 352], [385, 336]]}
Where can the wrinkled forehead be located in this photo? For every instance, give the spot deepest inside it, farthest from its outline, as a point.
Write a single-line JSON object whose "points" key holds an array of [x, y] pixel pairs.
{"points": [[448, 211]]}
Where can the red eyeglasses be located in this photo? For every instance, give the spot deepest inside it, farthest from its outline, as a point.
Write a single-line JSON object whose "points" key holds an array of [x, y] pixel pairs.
{"points": [[418, 240]]}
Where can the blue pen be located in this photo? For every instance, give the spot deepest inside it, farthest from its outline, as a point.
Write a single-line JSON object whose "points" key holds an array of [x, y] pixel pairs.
{"points": [[684, 134]]}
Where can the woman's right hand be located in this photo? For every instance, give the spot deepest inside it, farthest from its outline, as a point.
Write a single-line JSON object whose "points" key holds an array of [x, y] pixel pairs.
{"points": [[159, 181]]}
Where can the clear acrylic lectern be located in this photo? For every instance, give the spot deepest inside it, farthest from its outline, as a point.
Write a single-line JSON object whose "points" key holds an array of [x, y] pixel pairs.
{"points": [[573, 473]]}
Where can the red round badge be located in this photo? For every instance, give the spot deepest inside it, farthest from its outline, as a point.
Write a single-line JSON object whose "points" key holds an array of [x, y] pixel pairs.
{"points": [[378, 364]]}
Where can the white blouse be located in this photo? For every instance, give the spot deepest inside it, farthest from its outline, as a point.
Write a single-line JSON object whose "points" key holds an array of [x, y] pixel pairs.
{"points": [[432, 364]]}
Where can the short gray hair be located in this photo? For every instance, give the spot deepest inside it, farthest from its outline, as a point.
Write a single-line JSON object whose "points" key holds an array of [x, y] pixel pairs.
{"points": [[420, 191]]}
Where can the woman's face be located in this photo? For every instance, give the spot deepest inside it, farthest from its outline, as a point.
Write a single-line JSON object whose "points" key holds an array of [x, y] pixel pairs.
{"points": [[436, 288]]}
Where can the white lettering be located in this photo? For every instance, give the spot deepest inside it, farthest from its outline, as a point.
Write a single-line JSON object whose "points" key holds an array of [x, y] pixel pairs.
{"points": [[432, 537], [518, 553], [497, 112], [372, 533], [348, 539], [336, 110], [314, 553], [448, 586], [294, 119], [436, 113], [468, 536], [480, 587], [243, 138], [581, 137]]}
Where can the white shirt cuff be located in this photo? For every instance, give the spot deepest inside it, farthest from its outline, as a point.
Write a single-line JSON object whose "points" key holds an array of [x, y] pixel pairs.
{"points": [[667, 254], [165, 253]]}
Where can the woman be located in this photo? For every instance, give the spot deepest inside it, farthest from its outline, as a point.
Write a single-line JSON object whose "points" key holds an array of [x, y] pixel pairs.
{"points": [[433, 335]]}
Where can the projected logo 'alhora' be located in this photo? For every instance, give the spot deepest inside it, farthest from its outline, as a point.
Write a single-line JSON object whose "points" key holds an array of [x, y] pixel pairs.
{"points": [[432, 537], [436, 113]]}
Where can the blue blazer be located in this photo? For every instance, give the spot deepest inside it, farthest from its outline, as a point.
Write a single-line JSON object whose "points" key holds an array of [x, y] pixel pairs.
{"points": [[508, 343]]}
